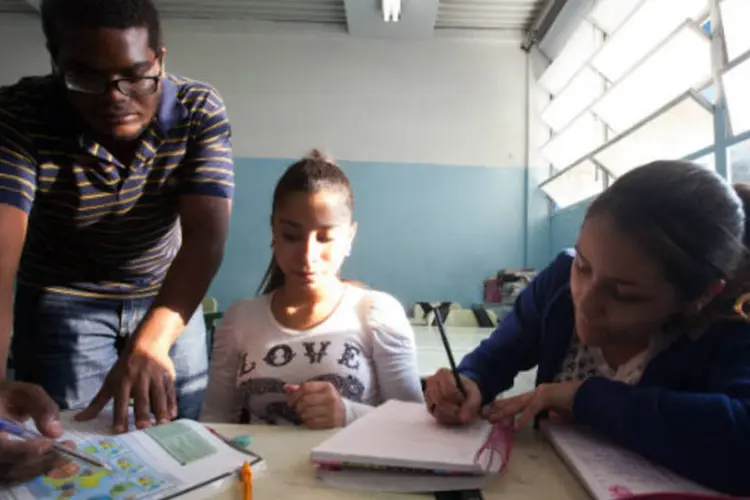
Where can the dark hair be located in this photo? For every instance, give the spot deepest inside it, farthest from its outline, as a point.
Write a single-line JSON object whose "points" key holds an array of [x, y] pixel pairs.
{"points": [[692, 221], [120, 14], [309, 175]]}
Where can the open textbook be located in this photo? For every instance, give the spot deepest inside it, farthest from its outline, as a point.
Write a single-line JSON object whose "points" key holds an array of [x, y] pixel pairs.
{"points": [[156, 463], [610, 472]]}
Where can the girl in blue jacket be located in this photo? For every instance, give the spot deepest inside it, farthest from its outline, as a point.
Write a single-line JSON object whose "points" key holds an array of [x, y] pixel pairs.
{"points": [[641, 332]]}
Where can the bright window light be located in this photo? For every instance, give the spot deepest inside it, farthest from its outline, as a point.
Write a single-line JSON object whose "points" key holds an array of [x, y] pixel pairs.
{"points": [[578, 139], [610, 14], [735, 15], [739, 161], [736, 85], [708, 161], [682, 62], [682, 129], [575, 184], [584, 89], [650, 24], [580, 47]]}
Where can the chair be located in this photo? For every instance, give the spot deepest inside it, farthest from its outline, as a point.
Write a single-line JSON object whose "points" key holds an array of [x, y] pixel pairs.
{"points": [[210, 305], [459, 318], [466, 318], [212, 320], [421, 310], [211, 316]]}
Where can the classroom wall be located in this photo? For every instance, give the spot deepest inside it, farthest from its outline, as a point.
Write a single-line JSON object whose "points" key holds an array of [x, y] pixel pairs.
{"points": [[538, 207], [432, 133], [564, 226]]}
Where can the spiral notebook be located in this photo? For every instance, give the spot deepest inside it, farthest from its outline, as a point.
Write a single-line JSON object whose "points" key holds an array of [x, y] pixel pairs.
{"points": [[402, 442], [610, 472]]}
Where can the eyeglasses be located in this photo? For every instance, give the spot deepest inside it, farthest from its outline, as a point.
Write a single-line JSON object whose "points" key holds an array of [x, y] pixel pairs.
{"points": [[131, 86]]}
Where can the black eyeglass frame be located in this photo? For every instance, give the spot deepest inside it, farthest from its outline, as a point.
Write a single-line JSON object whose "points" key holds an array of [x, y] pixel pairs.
{"points": [[118, 82]]}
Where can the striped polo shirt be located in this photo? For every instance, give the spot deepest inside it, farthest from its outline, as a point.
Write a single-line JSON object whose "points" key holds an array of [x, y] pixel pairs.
{"points": [[98, 228]]}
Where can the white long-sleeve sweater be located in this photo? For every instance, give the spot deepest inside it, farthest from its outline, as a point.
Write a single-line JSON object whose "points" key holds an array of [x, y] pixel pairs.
{"points": [[365, 348]]}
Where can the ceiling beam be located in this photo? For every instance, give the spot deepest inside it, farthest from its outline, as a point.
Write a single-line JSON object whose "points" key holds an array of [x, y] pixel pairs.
{"points": [[542, 23]]}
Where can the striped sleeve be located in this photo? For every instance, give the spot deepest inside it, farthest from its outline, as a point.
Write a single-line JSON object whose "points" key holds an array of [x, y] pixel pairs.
{"points": [[209, 163], [17, 167]]}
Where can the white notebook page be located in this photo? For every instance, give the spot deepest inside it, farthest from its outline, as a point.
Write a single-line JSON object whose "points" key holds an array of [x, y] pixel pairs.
{"points": [[609, 471], [401, 434]]}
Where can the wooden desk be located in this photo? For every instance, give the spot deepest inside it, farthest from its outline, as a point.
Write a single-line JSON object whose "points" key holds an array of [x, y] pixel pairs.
{"points": [[534, 472], [431, 354]]}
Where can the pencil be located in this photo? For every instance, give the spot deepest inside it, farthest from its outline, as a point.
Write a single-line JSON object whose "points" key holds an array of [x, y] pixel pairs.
{"points": [[247, 482], [449, 352], [24, 433]]}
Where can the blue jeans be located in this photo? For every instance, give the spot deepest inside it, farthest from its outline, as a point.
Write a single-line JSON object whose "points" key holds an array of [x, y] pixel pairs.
{"points": [[68, 344]]}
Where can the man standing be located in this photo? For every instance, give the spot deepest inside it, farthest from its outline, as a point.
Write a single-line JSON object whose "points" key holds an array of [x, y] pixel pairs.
{"points": [[116, 181]]}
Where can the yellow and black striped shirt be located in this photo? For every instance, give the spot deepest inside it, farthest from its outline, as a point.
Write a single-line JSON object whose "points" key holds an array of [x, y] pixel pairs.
{"points": [[99, 228]]}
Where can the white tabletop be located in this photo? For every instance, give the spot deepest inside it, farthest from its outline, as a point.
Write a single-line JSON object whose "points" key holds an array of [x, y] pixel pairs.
{"points": [[534, 471]]}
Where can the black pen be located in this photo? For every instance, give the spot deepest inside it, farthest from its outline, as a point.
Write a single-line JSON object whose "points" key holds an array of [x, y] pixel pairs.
{"points": [[449, 352]]}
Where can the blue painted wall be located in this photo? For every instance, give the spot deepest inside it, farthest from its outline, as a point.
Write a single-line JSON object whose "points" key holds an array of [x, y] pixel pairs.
{"points": [[564, 226], [426, 232], [538, 219]]}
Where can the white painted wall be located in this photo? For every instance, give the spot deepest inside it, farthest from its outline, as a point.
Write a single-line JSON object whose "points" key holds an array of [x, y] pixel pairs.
{"points": [[458, 102]]}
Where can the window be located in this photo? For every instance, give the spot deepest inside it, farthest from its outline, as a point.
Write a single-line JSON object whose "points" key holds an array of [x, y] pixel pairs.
{"points": [[582, 44], [582, 90], [708, 161], [736, 84], [734, 15], [610, 14], [682, 62], [739, 161], [580, 182], [633, 85], [577, 140], [686, 126], [648, 26]]}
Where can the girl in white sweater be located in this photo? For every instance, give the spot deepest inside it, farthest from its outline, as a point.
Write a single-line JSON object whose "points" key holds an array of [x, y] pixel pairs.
{"points": [[311, 349]]}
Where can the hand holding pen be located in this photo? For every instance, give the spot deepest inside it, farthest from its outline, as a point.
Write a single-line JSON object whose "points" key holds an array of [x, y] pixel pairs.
{"points": [[22, 460], [451, 398]]}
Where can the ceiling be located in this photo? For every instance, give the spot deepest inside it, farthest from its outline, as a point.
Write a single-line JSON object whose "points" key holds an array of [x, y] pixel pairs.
{"points": [[488, 14], [15, 7], [360, 17]]}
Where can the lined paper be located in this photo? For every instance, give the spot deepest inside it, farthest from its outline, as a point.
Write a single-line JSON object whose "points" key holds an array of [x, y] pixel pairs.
{"points": [[611, 472]]}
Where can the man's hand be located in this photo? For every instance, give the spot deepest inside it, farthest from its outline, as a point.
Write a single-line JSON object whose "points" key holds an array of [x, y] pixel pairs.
{"points": [[24, 460], [558, 397], [318, 404], [447, 404], [144, 373]]}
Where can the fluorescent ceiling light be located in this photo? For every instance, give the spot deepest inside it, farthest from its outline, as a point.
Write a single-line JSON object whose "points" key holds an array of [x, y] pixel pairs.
{"points": [[682, 62], [683, 128], [580, 47], [582, 90], [735, 15], [610, 14], [391, 10], [650, 24], [584, 135], [575, 184], [736, 85]]}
